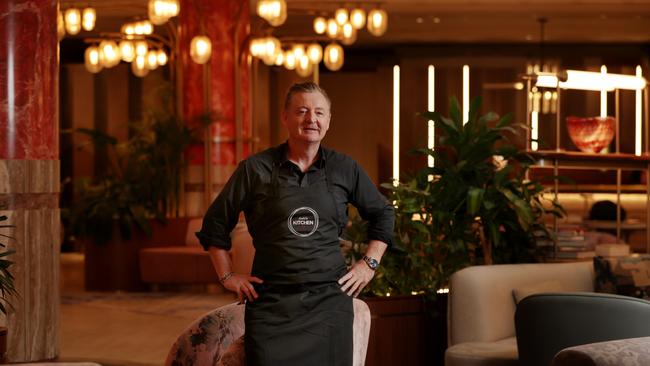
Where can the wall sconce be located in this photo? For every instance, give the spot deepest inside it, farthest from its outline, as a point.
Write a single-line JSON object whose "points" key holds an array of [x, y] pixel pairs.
{"points": [[200, 49]]}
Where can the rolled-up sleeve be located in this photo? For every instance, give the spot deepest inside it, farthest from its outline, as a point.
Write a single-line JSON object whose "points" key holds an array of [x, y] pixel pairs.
{"points": [[223, 213], [373, 207]]}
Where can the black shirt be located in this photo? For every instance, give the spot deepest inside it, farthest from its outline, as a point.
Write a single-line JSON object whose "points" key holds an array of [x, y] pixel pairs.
{"points": [[350, 184]]}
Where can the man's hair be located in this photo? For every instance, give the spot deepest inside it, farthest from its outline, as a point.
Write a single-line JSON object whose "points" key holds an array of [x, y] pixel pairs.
{"points": [[306, 87]]}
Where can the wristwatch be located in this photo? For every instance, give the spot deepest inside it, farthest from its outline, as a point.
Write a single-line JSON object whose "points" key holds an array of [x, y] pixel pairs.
{"points": [[371, 262]]}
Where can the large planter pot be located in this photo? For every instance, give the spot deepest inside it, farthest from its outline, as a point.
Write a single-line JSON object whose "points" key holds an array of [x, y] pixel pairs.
{"points": [[406, 330], [115, 266]]}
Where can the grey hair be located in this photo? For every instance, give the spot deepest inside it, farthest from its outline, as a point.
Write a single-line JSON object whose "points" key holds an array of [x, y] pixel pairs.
{"points": [[306, 87]]}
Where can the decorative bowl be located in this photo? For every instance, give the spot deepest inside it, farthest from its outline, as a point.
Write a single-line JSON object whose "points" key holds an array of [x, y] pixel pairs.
{"points": [[591, 134]]}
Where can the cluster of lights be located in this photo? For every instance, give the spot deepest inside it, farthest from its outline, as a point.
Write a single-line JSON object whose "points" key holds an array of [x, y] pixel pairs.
{"points": [[160, 11], [109, 53], [273, 11], [300, 57], [73, 20], [137, 28], [345, 24]]}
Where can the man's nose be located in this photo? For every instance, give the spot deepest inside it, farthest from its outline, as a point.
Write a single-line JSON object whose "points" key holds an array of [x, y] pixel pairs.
{"points": [[311, 117]]}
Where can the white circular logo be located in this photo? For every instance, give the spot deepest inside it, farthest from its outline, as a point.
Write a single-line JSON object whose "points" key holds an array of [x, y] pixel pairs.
{"points": [[303, 221]]}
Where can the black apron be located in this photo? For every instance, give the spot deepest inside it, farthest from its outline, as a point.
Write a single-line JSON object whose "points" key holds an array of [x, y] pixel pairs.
{"points": [[301, 316]]}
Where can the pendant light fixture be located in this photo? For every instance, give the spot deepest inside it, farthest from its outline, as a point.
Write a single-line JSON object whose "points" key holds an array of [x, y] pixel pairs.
{"points": [[72, 21], [333, 56], [377, 22], [89, 16]]}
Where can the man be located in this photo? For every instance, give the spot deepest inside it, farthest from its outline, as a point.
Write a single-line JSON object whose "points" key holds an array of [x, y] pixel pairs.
{"points": [[294, 196]]}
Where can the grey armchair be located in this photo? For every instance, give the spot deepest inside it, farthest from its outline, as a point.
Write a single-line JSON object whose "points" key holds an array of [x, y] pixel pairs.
{"points": [[547, 323]]}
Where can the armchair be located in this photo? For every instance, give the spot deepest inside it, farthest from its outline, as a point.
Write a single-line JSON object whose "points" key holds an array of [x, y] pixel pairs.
{"points": [[217, 338], [547, 323]]}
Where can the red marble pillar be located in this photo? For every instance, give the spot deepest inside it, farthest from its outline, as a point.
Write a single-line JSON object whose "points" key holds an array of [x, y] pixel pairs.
{"points": [[29, 172], [226, 75]]}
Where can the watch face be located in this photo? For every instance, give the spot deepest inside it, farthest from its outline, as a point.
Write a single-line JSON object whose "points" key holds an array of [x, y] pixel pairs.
{"points": [[372, 262]]}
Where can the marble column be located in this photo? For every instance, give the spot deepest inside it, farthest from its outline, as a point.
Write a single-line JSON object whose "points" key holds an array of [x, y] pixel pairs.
{"points": [[29, 173], [219, 89]]}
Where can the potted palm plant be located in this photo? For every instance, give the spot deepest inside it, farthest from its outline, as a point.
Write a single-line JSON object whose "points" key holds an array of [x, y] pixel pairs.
{"points": [[475, 206]]}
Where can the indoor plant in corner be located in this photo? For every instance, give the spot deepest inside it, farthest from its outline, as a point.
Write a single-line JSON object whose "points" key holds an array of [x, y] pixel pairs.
{"points": [[7, 287], [474, 207], [138, 191]]}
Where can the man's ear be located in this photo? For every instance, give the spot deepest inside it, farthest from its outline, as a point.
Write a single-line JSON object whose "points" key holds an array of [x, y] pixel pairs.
{"points": [[283, 118]]}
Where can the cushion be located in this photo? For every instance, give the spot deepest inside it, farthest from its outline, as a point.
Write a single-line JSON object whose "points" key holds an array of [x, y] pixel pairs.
{"points": [[535, 288], [622, 352], [499, 353]]}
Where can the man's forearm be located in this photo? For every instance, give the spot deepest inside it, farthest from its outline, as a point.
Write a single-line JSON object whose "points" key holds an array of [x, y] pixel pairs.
{"points": [[376, 249], [220, 260]]}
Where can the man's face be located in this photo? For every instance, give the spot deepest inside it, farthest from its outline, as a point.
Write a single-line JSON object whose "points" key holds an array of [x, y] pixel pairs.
{"points": [[307, 118]]}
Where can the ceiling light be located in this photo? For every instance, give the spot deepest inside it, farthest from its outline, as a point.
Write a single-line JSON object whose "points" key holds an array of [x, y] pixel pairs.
{"points": [[89, 16], [111, 53], [349, 34], [320, 25], [127, 50], [92, 60], [358, 18], [162, 57], [139, 66], [332, 28], [152, 59], [72, 21], [304, 67], [289, 60], [377, 22], [333, 56], [341, 16], [315, 53]]}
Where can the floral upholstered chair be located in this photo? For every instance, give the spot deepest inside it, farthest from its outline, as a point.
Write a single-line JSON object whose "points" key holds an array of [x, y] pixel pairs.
{"points": [[217, 338]]}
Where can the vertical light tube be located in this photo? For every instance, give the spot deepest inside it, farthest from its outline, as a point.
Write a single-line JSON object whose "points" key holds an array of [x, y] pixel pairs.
{"points": [[431, 80], [603, 94], [395, 125], [638, 137], [465, 93], [534, 129]]}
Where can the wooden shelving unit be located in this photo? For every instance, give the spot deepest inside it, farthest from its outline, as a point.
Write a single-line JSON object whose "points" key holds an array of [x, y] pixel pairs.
{"points": [[616, 161]]}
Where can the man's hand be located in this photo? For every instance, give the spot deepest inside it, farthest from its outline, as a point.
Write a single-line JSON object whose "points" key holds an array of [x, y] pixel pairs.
{"points": [[242, 286], [356, 279]]}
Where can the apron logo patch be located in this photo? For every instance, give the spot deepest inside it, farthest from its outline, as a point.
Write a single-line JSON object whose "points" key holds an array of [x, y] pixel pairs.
{"points": [[303, 221]]}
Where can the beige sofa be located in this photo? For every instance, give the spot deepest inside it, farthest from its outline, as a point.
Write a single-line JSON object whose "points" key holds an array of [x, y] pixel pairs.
{"points": [[481, 329]]}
